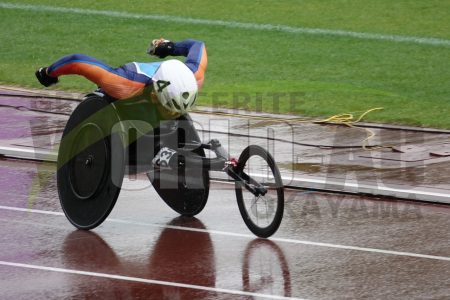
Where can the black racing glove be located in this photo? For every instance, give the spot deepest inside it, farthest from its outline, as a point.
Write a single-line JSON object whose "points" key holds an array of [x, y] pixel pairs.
{"points": [[45, 79], [161, 48]]}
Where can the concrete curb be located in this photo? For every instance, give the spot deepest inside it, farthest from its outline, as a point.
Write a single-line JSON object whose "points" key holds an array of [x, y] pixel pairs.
{"points": [[237, 112], [315, 183], [28, 153], [353, 187]]}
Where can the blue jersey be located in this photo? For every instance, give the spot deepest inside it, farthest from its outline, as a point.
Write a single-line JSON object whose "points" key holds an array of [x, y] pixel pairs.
{"points": [[132, 78]]}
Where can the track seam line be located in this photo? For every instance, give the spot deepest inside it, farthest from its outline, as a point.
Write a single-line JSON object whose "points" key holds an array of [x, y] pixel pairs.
{"points": [[283, 240], [232, 24]]}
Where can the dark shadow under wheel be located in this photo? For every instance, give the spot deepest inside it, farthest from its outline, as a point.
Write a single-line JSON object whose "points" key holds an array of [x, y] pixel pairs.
{"points": [[90, 174], [262, 214]]}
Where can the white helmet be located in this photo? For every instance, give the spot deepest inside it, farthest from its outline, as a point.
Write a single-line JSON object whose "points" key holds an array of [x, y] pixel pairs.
{"points": [[175, 86]]}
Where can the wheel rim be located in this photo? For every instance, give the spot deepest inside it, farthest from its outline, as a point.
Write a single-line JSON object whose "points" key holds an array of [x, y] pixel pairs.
{"points": [[261, 210], [89, 157], [262, 214]]}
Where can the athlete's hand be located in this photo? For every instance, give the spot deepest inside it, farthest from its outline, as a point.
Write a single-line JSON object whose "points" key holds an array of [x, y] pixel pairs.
{"points": [[161, 48]]}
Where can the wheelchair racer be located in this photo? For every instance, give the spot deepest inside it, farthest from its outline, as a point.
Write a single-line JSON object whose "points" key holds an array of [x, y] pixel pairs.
{"points": [[170, 85]]}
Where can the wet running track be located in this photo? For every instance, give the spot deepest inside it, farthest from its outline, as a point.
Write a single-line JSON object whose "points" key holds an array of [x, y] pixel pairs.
{"points": [[329, 246]]}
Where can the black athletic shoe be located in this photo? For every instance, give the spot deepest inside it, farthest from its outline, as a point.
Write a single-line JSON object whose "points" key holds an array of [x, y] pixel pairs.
{"points": [[44, 78]]}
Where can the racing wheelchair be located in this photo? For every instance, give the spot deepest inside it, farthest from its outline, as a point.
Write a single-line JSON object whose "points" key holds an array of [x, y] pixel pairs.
{"points": [[104, 140]]}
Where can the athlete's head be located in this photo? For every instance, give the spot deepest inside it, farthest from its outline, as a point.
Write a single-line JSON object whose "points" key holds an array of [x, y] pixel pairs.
{"points": [[175, 86]]}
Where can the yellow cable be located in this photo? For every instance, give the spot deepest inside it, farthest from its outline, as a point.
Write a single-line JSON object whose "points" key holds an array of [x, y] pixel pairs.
{"points": [[347, 119], [369, 111]]}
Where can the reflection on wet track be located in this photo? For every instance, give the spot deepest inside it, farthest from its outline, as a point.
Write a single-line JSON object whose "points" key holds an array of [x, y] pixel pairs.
{"points": [[146, 251]]}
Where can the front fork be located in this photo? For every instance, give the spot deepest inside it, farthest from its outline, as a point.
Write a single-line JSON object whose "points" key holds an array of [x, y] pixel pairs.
{"points": [[230, 168]]}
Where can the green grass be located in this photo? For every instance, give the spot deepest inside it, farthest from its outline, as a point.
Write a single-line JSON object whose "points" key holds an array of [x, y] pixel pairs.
{"points": [[249, 68]]}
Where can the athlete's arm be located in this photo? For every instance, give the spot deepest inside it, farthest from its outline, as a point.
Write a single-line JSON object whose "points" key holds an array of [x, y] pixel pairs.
{"points": [[196, 57], [116, 82], [193, 50]]}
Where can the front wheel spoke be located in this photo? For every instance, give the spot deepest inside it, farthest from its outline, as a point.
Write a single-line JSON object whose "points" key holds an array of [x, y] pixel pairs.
{"points": [[256, 212], [254, 208], [254, 202]]}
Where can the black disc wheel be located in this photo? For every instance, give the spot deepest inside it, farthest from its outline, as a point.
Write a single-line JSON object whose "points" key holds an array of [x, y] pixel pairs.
{"points": [[185, 190], [90, 174], [261, 213], [90, 153]]}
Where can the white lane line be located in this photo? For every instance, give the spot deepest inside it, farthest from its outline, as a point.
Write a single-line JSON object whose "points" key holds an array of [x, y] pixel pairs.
{"points": [[29, 210], [230, 24], [291, 241], [143, 280], [247, 236]]}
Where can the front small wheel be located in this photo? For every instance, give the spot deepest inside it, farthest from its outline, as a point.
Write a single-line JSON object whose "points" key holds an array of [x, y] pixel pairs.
{"points": [[261, 213]]}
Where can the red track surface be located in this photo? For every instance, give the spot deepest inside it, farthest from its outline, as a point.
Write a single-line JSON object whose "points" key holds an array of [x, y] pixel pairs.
{"points": [[328, 247]]}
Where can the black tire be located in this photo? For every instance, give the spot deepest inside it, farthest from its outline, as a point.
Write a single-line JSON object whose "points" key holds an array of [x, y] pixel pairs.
{"points": [[247, 201], [89, 178]]}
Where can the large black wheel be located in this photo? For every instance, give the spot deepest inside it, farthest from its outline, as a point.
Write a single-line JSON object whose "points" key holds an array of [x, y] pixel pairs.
{"points": [[90, 174], [262, 214], [185, 190]]}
